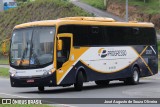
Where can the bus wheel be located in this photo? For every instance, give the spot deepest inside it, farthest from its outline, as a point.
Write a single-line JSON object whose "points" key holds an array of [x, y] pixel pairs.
{"points": [[79, 82], [41, 88], [134, 80], [102, 82]]}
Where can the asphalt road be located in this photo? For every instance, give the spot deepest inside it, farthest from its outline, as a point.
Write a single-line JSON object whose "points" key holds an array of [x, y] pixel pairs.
{"points": [[95, 11], [148, 88]]}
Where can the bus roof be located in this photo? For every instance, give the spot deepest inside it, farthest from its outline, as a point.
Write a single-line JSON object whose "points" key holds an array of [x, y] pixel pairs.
{"points": [[97, 21]]}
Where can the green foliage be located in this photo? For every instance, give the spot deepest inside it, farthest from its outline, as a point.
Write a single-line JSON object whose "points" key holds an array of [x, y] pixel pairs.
{"points": [[145, 1], [34, 11], [4, 72], [4, 60], [21, 0], [144, 6]]}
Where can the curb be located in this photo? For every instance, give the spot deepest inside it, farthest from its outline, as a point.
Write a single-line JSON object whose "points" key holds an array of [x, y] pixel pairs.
{"points": [[154, 77]]}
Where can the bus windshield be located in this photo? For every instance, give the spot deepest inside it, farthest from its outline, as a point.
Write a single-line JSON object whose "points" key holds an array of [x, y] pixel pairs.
{"points": [[32, 47]]}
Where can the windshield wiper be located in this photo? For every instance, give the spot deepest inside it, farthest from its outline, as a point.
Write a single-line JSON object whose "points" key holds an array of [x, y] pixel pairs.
{"points": [[23, 55]]}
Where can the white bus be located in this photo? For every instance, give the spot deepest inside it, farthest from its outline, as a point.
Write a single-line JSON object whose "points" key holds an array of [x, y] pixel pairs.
{"points": [[75, 50]]}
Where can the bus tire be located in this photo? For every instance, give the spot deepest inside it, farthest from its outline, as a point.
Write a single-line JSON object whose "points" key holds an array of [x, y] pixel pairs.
{"points": [[41, 88], [79, 81], [134, 80], [102, 82]]}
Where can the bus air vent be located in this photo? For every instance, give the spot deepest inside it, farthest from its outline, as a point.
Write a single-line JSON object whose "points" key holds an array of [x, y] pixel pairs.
{"points": [[99, 19]]}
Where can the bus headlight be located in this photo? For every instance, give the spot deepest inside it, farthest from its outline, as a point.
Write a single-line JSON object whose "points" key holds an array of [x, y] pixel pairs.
{"points": [[49, 72], [12, 73]]}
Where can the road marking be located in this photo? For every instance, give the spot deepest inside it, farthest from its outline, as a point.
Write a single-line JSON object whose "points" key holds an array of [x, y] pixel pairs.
{"points": [[13, 95]]}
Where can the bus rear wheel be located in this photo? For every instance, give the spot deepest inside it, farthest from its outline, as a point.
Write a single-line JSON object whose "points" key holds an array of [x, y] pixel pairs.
{"points": [[134, 80], [79, 82], [41, 88], [102, 82]]}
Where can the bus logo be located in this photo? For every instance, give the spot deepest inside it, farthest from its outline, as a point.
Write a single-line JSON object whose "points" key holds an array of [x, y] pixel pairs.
{"points": [[102, 53], [113, 53]]}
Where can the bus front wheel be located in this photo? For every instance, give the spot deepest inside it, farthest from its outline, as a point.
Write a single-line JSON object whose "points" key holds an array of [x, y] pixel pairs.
{"points": [[79, 82], [134, 80], [41, 88]]}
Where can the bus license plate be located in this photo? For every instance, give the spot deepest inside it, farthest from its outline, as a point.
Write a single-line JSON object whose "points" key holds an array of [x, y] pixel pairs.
{"points": [[30, 81]]}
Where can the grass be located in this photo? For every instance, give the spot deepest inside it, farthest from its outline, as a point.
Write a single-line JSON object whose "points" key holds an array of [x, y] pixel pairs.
{"points": [[95, 3], [4, 61], [4, 72]]}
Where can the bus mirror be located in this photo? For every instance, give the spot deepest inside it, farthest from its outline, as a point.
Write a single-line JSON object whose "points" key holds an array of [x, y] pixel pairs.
{"points": [[60, 44]]}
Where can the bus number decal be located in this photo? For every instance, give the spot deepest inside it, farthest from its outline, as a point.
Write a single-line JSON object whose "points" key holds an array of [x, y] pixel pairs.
{"points": [[148, 52]]}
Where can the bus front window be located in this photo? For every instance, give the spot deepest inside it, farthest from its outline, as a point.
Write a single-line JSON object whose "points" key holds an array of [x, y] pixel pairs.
{"points": [[32, 47]]}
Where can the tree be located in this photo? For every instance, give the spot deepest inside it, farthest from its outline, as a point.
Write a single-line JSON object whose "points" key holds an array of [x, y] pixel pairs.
{"points": [[106, 3], [145, 1]]}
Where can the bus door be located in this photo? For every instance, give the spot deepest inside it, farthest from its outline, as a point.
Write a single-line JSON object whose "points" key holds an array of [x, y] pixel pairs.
{"points": [[64, 45]]}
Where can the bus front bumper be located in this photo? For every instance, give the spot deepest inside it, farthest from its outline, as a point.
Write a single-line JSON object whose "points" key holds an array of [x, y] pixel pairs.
{"points": [[34, 81]]}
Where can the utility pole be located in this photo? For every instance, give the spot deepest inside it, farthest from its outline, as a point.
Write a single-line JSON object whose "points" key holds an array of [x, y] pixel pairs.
{"points": [[126, 10], [105, 3]]}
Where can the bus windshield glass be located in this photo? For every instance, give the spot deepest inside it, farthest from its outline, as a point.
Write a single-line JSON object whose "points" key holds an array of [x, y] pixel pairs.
{"points": [[32, 47]]}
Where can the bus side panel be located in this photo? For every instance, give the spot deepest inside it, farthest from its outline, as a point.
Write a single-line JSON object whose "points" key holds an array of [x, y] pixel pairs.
{"points": [[153, 59], [69, 78], [147, 63], [148, 60], [93, 75]]}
